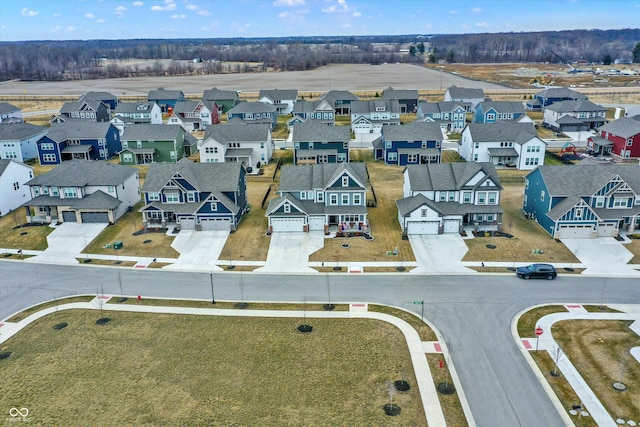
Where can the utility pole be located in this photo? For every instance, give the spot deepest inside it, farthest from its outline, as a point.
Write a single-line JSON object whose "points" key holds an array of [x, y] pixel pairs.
{"points": [[213, 298]]}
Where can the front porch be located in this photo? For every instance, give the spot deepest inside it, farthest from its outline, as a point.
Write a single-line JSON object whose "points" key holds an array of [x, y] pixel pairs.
{"points": [[503, 157], [81, 151]]}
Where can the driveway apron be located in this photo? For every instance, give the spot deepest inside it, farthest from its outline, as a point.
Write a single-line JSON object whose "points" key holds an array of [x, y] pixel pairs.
{"points": [[67, 241], [439, 253], [289, 252], [603, 255], [199, 250]]}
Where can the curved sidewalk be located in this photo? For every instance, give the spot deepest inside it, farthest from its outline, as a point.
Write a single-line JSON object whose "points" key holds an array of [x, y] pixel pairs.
{"points": [[416, 347]]}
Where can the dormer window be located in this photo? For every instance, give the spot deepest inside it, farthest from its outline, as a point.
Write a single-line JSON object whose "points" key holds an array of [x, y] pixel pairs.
{"points": [[287, 208], [345, 181]]}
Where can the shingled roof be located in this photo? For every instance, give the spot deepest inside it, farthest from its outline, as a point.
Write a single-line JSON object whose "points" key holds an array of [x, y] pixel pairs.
{"points": [[502, 131], [310, 131], [233, 132], [203, 176], [449, 176], [625, 127], [80, 173], [308, 177]]}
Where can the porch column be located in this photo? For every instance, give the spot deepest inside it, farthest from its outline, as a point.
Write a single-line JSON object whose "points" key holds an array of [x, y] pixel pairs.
{"points": [[632, 224], [28, 214]]}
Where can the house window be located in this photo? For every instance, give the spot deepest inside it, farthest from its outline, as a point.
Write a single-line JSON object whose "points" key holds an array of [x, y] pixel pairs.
{"points": [[489, 217], [491, 116], [172, 154], [524, 198], [345, 199], [579, 212], [320, 196], [213, 206], [481, 198], [127, 157], [49, 158], [345, 145], [600, 202], [620, 202], [357, 199], [323, 158], [172, 197], [70, 192], [153, 197], [139, 144], [36, 191], [476, 145], [287, 208], [452, 196], [424, 144], [54, 191], [388, 144], [296, 145], [492, 198], [475, 157], [345, 181], [392, 157], [629, 142], [16, 186], [303, 195], [542, 196], [311, 146], [479, 217], [191, 196], [111, 189], [466, 197], [46, 146], [333, 199], [125, 144], [412, 158], [443, 196], [208, 150], [342, 157], [423, 213]]}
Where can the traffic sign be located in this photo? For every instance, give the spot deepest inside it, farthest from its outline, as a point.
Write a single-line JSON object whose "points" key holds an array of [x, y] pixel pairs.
{"points": [[418, 302], [539, 331]]}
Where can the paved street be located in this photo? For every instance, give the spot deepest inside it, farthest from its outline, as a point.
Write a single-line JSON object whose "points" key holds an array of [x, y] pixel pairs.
{"points": [[473, 313]]}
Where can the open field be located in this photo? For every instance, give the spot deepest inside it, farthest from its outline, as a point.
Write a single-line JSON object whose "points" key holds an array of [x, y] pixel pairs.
{"points": [[191, 370]]}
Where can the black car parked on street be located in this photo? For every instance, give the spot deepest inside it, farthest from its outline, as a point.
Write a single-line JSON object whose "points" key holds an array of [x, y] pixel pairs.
{"points": [[537, 271]]}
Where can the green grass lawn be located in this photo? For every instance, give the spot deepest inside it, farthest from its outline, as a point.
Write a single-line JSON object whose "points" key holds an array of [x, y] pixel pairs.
{"points": [[160, 369]]}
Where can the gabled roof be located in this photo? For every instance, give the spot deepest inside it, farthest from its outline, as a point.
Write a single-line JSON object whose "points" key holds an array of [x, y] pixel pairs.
{"points": [[318, 176], [6, 108], [560, 92], [80, 173], [441, 107], [216, 94], [575, 106], [279, 94], [410, 204], [305, 206], [302, 106], [340, 95], [414, 131], [465, 93], [162, 93], [503, 107], [624, 127], [502, 131], [563, 207], [101, 96], [391, 93], [449, 176], [97, 200], [4, 163], [134, 107], [71, 106], [368, 107], [310, 131], [151, 132], [78, 129], [185, 106], [252, 107], [19, 131], [585, 180], [234, 132], [204, 177]]}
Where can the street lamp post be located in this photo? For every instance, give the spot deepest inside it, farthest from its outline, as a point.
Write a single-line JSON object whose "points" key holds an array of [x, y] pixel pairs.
{"points": [[213, 298]]}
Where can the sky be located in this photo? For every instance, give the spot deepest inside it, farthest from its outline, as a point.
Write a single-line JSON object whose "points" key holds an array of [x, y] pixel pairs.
{"points": [[127, 19]]}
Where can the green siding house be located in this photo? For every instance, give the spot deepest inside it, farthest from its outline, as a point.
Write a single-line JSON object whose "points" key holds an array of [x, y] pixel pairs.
{"points": [[147, 143]]}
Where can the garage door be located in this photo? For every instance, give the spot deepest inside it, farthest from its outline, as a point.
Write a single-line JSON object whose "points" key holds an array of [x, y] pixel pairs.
{"points": [[287, 224], [68, 216], [215, 224], [607, 229], [423, 227], [93, 217], [187, 223], [575, 231], [316, 223], [451, 226]]}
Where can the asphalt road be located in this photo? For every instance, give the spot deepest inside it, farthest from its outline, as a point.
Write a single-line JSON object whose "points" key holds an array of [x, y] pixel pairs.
{"points": [[473, 313]]}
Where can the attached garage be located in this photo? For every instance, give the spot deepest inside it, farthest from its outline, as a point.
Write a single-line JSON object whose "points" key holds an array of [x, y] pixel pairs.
{"points": [[287, 224], [607, 229], [187, 223], [69, 216], [451, 225], [423, 227], [215, 224], [316, 223], [577, 231], [94, 217]]}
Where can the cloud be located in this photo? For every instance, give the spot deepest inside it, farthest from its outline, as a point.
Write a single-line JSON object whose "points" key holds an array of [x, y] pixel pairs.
{"points": [[482, 24], [101, 21], [89, 15], [356, 14], [169, 6], [476, 10], [69, 29], [288, 3], [28, 12], [453, 12], [137, 3], [340, 6], [56, 14], [119, 12], [191, 7], [181, 16], [203, 13]]}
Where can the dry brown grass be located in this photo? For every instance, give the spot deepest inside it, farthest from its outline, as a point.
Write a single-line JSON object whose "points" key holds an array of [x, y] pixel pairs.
{"points": [[35, 237], [165, 369], [529, 320], [634, 248], [450, 403]]}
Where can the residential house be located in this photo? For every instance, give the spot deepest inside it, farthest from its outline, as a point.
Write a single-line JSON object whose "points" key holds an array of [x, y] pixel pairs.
{"points": [[13, 177], [191, 115], [108, 98], [143, 144], [583, 201], [319, 196], [316, 111], [136, 113], [166, 99], [251, 146], [469, 97], [574, 116], [18, 141], [407, 99], [413, 143], [314, 142], [495, 111], [503, 144], [194, 196], [619, 137], [281, 99], [367, 117], [451, 116], [553, 94], [84, 192], [254, 113], [224, 99], [78, 139], [9, 113], [340, 100], [445, 197], [86, 108]]}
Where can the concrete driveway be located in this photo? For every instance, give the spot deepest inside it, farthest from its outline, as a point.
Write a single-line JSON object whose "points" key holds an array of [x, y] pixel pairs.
{"points": [[67, 241], [289, 252], [602, 256], [441, 253], [199, 250]]}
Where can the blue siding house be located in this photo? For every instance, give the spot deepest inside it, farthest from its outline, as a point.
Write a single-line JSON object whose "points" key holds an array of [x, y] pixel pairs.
{"points": [[253, 113], [413, 143], [452, 116], [194, 196], [166, 99], [494, 111], [583, 201], [551, 95], [314, 142], [78, 139]]}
